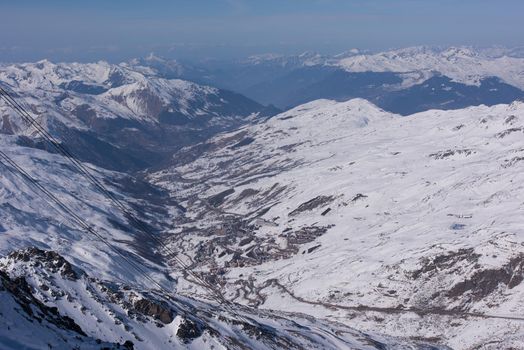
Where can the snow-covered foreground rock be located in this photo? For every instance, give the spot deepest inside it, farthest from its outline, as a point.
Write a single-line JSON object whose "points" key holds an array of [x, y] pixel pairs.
{"points": [[410, 226], [49, 303], [27, 323]]}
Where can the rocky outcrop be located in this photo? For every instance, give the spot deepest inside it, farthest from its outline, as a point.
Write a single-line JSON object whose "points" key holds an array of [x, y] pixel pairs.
{"points": [[50, 260], [312, 204], [150, 308], [485, 281], [34, 308], [189, 330]]}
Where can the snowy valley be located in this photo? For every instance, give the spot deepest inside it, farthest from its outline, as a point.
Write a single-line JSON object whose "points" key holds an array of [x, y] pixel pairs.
{"points": [[229, 224]]}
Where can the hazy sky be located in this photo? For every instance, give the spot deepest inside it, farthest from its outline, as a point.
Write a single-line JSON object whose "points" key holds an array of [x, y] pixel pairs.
{"points": [[120, 29]]}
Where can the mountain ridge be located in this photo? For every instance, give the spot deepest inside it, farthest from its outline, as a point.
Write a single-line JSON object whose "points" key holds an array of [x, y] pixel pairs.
{"points": [[128, 118]]}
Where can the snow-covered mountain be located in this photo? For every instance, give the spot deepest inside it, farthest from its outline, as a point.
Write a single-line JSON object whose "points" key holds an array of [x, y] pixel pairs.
{"points": [[305, 59], [406, 225], [432, 77], [126, 116], [463, 64]]}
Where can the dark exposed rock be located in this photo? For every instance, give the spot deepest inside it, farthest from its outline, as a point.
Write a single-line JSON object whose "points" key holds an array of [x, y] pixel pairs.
{"points": [[324, 213], [149, 308], [358, 196], [189, 330], [449, 153], [445, 261], [458, 227], [306, 234], [245, 241], [49, 259], [312, 204], [484, 282], [219, 198], [248, 192], [508, 132], [510, 120], [128, 345], [512, 161], [263, 212], [312, 249]]}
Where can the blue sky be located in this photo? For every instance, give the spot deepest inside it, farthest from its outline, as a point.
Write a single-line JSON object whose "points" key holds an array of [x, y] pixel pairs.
{"points": [[118, 29]]}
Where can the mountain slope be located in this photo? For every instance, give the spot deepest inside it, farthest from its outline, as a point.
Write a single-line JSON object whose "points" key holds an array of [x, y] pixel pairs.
{"points": [[47, 300], [50, 301], [403, 225]]}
